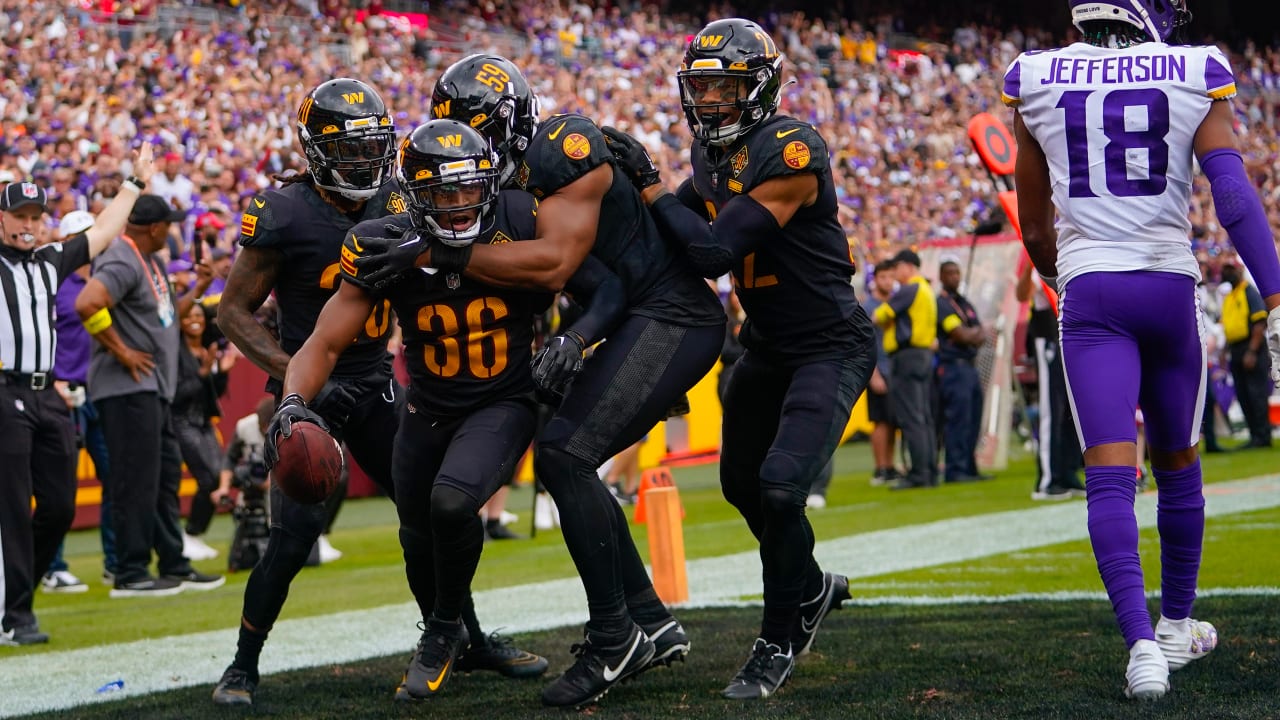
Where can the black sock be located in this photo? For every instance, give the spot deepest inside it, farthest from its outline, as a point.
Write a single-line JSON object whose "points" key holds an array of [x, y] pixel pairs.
{"points": [[248, 648], [645, 607], [609, 627], [776, 626], [478, 639]]}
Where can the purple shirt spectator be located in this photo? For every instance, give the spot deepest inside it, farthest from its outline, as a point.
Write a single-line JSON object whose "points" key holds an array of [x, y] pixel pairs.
{"points": [[71, 357]]}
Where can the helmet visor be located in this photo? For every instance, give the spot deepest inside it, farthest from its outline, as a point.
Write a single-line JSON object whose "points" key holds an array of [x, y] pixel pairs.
{"points": [[358, 161], [714, 100], [454, 209]]}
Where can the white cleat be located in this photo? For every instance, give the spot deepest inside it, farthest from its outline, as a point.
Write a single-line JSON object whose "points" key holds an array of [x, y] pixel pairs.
{"points": [[1185, 640], [1148, 672]]}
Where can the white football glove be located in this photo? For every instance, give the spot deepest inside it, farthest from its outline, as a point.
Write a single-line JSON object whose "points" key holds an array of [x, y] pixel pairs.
{"points": [[1273, 343]]}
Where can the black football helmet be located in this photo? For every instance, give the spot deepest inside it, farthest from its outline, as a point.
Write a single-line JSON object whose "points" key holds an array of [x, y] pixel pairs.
{"points": [[489, 93], [348, 137], [729, 64], [449, 173]]}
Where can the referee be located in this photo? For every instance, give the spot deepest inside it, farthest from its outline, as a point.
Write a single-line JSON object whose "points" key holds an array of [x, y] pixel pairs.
{"points": [[38, 454]]}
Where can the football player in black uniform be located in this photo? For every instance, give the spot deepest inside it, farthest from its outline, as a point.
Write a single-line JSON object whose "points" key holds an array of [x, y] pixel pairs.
{"points": [[471, 407], [761, 204], [669, 339], [290, 242]]}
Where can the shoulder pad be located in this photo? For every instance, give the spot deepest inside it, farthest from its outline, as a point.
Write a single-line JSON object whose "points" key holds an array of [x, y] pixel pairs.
{"points": [[267, 214], [1219, 83], [390, 200], [1011, 90], [517, 217], [784, 147], [353, 248], [565, 148]]}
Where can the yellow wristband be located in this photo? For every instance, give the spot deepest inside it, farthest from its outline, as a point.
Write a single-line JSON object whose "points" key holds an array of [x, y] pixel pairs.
{"points": [[98, 322]]}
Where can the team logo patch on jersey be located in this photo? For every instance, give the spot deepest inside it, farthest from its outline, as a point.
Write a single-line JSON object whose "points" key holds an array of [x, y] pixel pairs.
{"points": [[396, 203], [522, 175], [738, 162], [499, 237], [248, 225], [576, 146], [796, 155]]}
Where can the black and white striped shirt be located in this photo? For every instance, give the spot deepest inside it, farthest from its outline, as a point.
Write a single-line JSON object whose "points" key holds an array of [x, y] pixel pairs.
{"points": [[28, 289]]}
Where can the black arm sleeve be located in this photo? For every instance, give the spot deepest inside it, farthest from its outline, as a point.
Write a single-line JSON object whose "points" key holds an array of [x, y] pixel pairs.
{"points": [[597, 289], [689, 197], [740, 227]]}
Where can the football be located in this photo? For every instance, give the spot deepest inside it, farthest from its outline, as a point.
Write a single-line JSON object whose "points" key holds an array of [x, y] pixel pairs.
{"points": [[310, 464]]}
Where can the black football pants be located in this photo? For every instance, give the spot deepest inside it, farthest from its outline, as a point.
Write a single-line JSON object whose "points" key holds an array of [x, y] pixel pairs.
{"points": [[445, 470], [626, 388], [780, 427]]}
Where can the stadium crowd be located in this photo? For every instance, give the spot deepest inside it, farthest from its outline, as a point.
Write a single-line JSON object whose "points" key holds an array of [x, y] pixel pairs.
{"points": [[892, 104], [214, 87]]}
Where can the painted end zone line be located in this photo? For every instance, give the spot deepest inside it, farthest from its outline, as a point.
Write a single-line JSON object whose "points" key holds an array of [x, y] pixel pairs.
{"points": [[58, 680]]}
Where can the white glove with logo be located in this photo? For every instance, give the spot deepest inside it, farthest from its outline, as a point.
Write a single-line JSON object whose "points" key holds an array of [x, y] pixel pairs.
{"points": [[1273, 343]]}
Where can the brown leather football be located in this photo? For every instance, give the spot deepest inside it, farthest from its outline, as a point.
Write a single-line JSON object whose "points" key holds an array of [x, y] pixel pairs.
{"points": [[310, 464]]}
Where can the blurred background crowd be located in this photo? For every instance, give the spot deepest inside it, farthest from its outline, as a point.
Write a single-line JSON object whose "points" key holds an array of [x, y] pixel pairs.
{"points": [[216, 84]]}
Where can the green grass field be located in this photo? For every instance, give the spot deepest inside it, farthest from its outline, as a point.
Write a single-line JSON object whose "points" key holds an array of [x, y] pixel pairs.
{"points": [[1015, 660], [919, 655]]}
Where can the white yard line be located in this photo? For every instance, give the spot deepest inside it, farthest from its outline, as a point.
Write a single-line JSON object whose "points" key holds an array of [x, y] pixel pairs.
{"points": [[60, 680]]}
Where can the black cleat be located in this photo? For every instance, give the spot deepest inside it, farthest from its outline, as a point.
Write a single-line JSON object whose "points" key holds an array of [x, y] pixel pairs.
{"points": [[500, 655], [236, 687], [835, 590], [670, 643], [433, 661], [764, 674], [598, 669], [24, 635]]}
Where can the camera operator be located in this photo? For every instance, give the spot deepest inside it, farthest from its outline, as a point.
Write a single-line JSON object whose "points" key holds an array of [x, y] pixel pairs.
{"points": [[245, 470]]}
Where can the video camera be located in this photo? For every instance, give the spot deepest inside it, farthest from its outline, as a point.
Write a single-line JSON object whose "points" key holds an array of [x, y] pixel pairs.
{"points": [[251, 513]]}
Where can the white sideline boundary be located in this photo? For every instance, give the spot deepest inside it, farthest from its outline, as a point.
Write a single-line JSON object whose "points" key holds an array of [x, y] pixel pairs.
{"points": [[60, 680]]}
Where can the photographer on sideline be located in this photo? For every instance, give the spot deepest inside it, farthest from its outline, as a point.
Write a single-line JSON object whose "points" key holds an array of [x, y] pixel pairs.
{"points": [[244, 469]]}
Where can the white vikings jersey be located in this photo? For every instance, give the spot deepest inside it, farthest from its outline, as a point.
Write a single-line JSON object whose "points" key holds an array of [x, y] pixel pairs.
{"points": [[1116, 126]]}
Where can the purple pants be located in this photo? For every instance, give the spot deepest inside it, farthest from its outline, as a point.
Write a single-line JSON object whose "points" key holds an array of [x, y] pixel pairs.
{"points": [[1130, 338]]}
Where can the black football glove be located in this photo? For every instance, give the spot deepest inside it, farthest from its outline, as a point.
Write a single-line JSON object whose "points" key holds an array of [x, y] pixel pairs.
{"points": [[292, 409], [632, 158], [380, 260], [558, 361], [334, 403]]}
